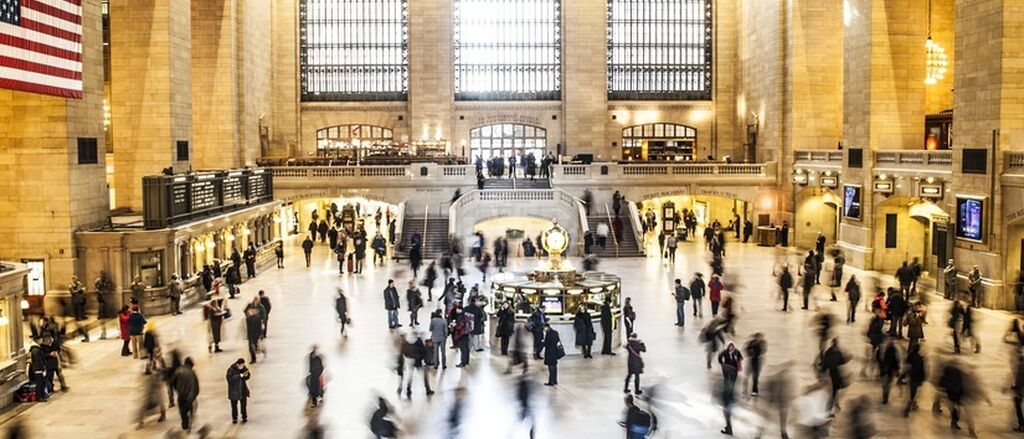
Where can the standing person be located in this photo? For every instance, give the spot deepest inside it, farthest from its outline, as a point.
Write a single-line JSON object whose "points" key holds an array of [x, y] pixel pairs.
{"points": [[974, 286], [731, 362], [838, 262], [819, 248], [915, 274], [697, 289], [238, 389], [380, 248], [755, 349], [439, 337], [429, 279], [915, 324], [681, 294], [905, 277], [315, 378], [279, 254], [414, 301], [584, 329], [671, 244], [606, 328], [1017, 388], [628, 315], [553, 351], [635, 362], [414, 354], [535, 324], [77, 291], [265, 303], [506, 325], [715, 287], [949, 277], [138, 292], [748, 229], [479, 322], [915, 373], [213, 313], [186, 385], [104, 300], [341, 307], [307, 249], [136, 327], [785, 283], [322, 229], [415, 257], [391, 304], [126, 337], [174, 292], [461, 331], [253, 326], [853, 293], [897, 308], [250, 261], [359, 242], [810, 268]]}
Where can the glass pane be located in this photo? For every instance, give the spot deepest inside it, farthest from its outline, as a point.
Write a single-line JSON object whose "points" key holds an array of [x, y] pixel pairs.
{"points": [[486, 131], [530, 131], [519, 130], [659, 130]]}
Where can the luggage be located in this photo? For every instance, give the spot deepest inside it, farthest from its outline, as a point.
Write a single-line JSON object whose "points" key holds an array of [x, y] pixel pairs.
{"points": [[350, 265], [26, 393]]}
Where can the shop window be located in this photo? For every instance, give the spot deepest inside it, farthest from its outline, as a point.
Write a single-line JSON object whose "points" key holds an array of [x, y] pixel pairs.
{"points": [[354, 141], [501, 140], [150, 267], [659, 142]]}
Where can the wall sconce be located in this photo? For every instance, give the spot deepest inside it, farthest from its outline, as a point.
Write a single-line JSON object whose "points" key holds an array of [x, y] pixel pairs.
{"points": [[3, 319], [800, 178], [883, 187], [829, 181], [933, 190]]}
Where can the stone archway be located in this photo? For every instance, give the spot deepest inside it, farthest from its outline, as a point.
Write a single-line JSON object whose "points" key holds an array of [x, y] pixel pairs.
{"points": [[817, 210]]}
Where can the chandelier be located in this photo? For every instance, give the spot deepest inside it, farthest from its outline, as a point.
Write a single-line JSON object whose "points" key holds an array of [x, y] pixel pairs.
{"points": [[935, 62]]}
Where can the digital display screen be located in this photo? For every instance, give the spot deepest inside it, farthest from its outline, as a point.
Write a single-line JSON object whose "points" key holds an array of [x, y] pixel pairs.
{"points": [[970, 218], [851, 201], [553, 305]]}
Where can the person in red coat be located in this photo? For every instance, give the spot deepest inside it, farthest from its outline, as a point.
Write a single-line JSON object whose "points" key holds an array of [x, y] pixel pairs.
{"points": [[715, 287], [122, 320]]}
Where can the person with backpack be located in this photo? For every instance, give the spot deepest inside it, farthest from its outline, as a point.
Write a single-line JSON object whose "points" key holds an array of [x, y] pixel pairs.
{"points": [[391, 304], [634, 363], [553, 351], [381, 424], [681, 294], [639, 424]]}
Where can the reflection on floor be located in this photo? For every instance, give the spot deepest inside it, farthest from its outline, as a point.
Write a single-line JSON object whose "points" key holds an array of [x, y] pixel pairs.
{"points": [[105, 392]]}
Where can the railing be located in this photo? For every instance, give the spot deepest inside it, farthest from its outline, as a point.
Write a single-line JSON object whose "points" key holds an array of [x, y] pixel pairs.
{"points": [[426, 220], [611, 230], [641, 170], [454, 171], [930, 159], [516, 195], [399, 222], [634, 220], [829, 156], [581, 211], [1013, 161], [574, 170]]}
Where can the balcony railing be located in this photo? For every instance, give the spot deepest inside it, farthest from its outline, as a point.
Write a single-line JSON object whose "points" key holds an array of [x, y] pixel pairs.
{"points": [[598, 171], [419, 172], [1013, 162], [929, 160], [821, 157]]}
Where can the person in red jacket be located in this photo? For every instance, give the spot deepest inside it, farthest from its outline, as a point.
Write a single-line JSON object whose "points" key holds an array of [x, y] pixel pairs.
{"points": [[715, 287], [122, 320]]}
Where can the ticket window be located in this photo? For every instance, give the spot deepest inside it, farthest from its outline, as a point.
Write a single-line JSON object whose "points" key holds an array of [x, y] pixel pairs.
{"points": [[149, 267]]}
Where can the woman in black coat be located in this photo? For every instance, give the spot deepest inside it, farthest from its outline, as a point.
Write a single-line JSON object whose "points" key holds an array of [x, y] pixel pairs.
{"points": [[584, 331], [506, 326], [238, 390], [314, 383], [634, 363], [553, 351], [606, 328]]}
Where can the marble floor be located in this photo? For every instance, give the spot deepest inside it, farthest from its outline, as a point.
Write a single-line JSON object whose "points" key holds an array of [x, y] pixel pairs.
{"points": [[106, 388]]}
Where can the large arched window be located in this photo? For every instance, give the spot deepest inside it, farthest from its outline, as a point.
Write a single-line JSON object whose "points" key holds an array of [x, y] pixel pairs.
{"points": [[508, 50], [500, 140], [351, 141], [659, 49], [659, 142], [353, 50]]}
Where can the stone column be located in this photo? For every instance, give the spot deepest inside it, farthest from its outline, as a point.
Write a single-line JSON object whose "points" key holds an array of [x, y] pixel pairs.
{"points": [[151, 90], [584, 75], [431, 80], [214, 86], [883, 98], [47, 193], [989, 114]]}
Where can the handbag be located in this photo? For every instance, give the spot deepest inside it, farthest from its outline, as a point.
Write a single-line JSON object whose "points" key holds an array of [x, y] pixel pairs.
{"points": [[227, 313], [560, 352]]}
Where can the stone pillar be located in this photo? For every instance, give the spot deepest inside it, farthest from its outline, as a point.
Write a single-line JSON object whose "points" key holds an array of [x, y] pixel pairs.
{"points": [[883, 99], [431, 70], [214, 86], [989, 114], [584, 74], [151, 90], [284, 134], [47, 193]]}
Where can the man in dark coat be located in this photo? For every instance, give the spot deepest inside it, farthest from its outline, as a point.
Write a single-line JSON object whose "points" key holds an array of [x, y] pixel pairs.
{"points": [[697, 288], [265, 303], [832, 361], [238, 389], [506, 326], [553, 352], [307, 249], [322, 229], [897, 308], [236, 259], [606, 328], [535, 324], [785, 283], [391, 304], [905, 276], [250, 261], [254, 316], [584, 328], [635, 362], [186, 386]]}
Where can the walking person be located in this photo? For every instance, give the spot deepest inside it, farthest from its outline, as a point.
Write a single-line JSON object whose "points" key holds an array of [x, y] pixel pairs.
{"points": [[506, 325], [254, 316], [584, 329], [174, 291], [755, 350], [785, 283], [697, 290], [634, 362], [126, 337], [681, 294], [238, 389], [853, 294], [628, 315], [265, 303], [414, 355], [897, 308], [1017, 388], [606, 328], [553, 351], [715, 287], [136, 327], [439, 338], [153, 399], [391, 304], [832, 361], [307, 249], [315, 377], [279, 255], [214, 312], [77, 291], [151, 344], [341, 307], [915, 375], [731, 362], [888, 367], [671, 244], [186, 386], [414, 301], [429, 279], [461, 331]]}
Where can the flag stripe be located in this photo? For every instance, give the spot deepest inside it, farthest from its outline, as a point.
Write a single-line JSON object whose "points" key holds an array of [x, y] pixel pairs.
{"points": [[48, 20], [30, 24], [36, 57], [73, 7], [39, 68], [58, 9], [53, 45], [39, 78], [12, 84]]}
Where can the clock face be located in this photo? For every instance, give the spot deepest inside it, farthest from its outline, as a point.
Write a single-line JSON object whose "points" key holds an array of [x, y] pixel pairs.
{"points": [[556, 240]]}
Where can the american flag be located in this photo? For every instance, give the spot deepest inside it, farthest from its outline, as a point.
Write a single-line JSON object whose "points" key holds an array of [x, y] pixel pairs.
{"points": [[41, 46]]}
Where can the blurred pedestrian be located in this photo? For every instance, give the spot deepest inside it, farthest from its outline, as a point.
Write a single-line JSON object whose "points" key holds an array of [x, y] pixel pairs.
{"points": [[635, 362], [186, 385], [584, 328], [553, 351], [341, 307], [238, 389], [755, 350], [315, 377]]}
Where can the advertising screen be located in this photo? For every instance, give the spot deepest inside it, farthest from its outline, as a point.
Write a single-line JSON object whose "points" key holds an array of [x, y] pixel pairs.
{"points": [[970, 218], [851, 201]]}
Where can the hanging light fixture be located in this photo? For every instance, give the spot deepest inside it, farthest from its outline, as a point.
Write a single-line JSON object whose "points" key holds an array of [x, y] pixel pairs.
{"points": [[935, 60]]}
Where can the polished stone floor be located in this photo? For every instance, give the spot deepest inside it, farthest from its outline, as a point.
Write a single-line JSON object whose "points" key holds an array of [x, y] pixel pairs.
{"points": [[106, 388]]}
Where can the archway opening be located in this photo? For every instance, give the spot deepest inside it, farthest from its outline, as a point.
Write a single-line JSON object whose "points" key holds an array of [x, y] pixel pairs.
{"points": [[705, 209], [346, 213], [504, 139], [908, 228], [817, 211], [517, 230]]}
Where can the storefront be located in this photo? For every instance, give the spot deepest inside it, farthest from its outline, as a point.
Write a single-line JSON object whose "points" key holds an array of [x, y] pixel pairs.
{"points": [[659, 142], [13, 281]]}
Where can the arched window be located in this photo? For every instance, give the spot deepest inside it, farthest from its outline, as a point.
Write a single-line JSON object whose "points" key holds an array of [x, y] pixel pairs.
{"points": [[354, 140], [500, 140], [659, 142]]}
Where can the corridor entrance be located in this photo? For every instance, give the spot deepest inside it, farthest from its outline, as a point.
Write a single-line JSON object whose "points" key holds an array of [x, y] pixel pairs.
{"points": [[817, 210], [501, 140], [904, 230]]}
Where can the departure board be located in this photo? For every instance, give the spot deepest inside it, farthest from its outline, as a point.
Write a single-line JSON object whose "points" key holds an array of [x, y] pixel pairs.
{"points": [[180, 198]]}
